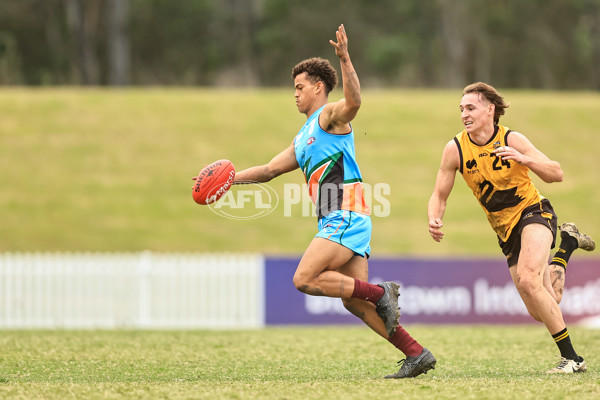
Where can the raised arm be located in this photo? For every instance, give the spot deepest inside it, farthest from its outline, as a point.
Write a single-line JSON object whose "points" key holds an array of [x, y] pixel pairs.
{"points": [[336, 116], [521, 150], [280, 164], [444, 183]]}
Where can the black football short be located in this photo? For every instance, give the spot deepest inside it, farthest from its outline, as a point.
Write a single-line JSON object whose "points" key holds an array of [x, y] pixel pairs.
{"points": [[539, 213]]}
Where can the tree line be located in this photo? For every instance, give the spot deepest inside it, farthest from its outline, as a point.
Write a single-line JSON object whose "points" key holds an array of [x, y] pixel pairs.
{"points": [[545, 44]]}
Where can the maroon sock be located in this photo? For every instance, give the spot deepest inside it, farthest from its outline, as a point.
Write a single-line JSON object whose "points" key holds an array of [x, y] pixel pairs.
{"points": [[405, 343], [367, 291]]}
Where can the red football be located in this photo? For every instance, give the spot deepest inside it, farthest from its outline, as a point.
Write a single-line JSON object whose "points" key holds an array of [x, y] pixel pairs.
{"points": [[213, 182]]}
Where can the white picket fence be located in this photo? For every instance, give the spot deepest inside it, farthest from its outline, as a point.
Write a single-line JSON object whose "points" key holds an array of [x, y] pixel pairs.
{"points": [[131, 290]]}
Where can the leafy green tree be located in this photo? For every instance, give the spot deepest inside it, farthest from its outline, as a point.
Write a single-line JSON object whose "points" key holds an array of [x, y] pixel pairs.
{"points": [[550, 44]]}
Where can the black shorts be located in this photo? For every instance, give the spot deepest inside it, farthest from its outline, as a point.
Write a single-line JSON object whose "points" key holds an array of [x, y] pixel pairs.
{"points": [[539, 213]]}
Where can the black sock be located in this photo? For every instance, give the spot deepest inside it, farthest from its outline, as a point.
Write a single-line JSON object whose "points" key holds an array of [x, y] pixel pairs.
{"points": [[563, 341], [568, 245]]}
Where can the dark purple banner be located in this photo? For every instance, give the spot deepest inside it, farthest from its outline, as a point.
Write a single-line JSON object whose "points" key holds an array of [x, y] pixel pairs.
{"points": [[435, 291]]}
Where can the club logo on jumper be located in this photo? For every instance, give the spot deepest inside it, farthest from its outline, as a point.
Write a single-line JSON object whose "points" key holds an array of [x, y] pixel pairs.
{"points": [[246, 200], [496, 144], [471, 164], [310, 140]]}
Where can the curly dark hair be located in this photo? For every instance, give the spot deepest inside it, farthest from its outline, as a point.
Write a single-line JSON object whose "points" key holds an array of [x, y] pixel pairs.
{"points": [[490, 93], [317, 69]]}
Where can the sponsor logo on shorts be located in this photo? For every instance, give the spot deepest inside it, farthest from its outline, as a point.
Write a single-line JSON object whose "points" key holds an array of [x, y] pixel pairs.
{"points": [[528, 215]]}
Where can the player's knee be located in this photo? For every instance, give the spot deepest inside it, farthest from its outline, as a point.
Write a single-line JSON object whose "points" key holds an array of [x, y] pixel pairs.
{"points": [[301, 282], [530, 286]]}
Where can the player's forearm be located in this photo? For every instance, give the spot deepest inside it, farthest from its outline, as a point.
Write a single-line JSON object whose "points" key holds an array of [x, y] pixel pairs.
{"points": [[253, 174], [435, 208], [350, 82], [548, 171]]}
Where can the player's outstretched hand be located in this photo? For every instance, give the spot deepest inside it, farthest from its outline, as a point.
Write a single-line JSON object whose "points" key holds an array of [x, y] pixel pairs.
{"points": [[341, 46]]}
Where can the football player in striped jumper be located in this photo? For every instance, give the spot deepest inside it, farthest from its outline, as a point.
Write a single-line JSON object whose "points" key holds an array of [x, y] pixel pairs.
{"points": [[495, 163]]}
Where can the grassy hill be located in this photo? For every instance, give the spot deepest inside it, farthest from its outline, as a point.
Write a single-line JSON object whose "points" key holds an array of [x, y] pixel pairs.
{"points": [[109, 170]]}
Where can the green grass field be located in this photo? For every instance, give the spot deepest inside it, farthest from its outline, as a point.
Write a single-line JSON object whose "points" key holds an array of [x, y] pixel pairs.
{"points": [[474, 362], [109, 170]]}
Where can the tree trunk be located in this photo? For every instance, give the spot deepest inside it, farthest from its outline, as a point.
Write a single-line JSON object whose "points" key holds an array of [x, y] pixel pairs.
{"points": [[595, 33], [82, 17], [452, 18], [119, 56]]}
